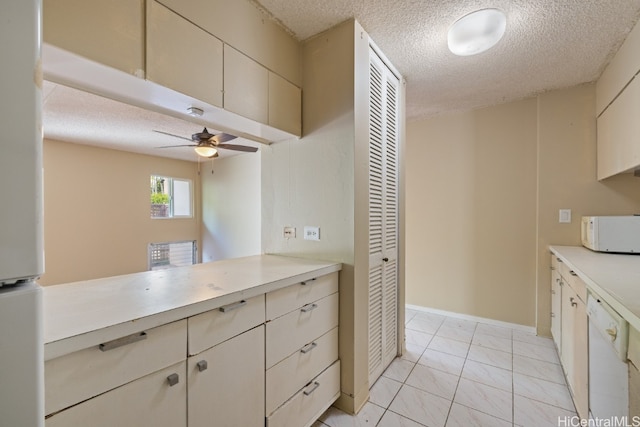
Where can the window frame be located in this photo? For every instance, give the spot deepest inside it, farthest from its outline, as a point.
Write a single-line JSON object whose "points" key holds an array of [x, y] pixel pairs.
{"points": [[170, 191]]}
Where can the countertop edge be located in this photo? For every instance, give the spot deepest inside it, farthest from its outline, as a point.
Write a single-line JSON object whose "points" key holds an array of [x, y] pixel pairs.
{"points": [[66, 345]]}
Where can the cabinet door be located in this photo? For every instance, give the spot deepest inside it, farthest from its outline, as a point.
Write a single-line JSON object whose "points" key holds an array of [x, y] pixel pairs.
{"points": [[150, 401], [182, 56], [568, 330], [556, 309], [580, 381], [619, 133], [109, 32], [246, 86], [229, 389], [285, 105]]}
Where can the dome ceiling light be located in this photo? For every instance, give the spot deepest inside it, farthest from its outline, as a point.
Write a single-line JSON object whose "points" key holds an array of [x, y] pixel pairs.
{"points": [[476, 32]]}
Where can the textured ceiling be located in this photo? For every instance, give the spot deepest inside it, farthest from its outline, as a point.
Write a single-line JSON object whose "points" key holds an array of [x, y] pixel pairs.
{"points": [[75, 116], [547, 44]]}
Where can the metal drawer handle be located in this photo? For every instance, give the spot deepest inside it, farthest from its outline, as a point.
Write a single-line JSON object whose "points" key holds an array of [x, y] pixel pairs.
{"points": [[573, 302], [230, 307], [202, 365], [552, 268], [173, 379], [307, 348], [129, 339], [573, 273], [309, 307], [313, 386], [613, 333], [305, 283]]}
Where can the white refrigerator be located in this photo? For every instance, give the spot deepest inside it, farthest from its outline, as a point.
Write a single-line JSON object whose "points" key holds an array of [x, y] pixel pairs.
{"points": [[21, 241]]}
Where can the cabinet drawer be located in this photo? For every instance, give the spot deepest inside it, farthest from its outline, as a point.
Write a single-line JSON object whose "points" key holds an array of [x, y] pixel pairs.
{"points": [[286, 334], [293, 297], [148, 401], [576, 283], [86, 373], [291, 374], [310, 402], [215, 326]]}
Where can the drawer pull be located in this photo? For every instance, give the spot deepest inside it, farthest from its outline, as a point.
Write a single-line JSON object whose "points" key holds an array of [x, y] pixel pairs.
{"points": [[313, 386], [202, 365], [307, 348], [573, 273], [573, 302], [129, 339], [309, 307], [230, 307], [173, 379], [307, 282], [553, 268]]}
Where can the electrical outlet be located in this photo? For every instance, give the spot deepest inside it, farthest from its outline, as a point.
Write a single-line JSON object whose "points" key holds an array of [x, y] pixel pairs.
{"points": [[311, 233], [289, 232]]}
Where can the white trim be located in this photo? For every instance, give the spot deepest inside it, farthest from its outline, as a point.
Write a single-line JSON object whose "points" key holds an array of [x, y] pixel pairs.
{"points": [[515, 326]]}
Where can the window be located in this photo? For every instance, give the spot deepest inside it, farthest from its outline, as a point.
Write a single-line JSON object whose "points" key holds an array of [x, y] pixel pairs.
{"points": [[171, 254], [170, 197]]}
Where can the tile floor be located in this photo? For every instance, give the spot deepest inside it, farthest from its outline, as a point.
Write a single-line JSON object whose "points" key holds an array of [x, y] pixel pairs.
{"points": [[463, 373]]}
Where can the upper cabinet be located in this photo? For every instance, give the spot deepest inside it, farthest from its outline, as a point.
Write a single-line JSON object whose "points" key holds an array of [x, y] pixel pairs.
{"points": [[183, 57], [108, 32], [243, 67], [285, 105], [246, 86], [617, 105]]}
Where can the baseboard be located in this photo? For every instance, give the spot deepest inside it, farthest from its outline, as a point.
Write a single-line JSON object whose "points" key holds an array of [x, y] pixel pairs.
{"points": [[518, 327]]}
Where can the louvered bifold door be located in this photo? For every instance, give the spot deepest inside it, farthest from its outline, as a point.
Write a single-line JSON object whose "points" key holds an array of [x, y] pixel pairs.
{"points": [[383, 216]]}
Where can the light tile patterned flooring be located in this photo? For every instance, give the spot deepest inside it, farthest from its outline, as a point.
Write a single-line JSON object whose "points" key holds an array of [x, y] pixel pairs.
{"points": [[463, 373]]}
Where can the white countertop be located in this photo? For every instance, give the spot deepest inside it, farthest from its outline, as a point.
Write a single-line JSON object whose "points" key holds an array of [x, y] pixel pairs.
{"points": [[614, 277], [82, 314]]}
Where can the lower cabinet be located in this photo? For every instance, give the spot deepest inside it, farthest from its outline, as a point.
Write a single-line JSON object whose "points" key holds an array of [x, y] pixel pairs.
{"points": [[228, 367], [556, 304], [226, 383], [158, 400], [573, 338]]}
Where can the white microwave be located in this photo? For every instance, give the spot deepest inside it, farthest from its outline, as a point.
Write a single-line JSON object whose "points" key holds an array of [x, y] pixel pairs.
{"points": [[617, 234]]}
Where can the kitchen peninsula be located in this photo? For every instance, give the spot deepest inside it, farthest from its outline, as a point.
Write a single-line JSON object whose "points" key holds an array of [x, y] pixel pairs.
{"points": [[181, 346]]}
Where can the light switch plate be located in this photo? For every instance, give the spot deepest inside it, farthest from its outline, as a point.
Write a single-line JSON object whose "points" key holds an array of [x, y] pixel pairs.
{"points": [[311, 233], [565, 216]]}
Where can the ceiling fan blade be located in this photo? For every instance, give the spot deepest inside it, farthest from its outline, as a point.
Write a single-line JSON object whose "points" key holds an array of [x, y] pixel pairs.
{"points": [[222, 137], [234, 147], [174, 146], [170, 134]]}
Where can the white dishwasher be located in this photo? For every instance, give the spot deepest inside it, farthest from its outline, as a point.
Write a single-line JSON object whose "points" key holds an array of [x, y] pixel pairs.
{"points": [[608, 369]]}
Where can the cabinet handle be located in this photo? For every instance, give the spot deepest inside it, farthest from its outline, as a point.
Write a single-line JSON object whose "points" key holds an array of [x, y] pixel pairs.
{"points": [[202, 365], [385, 259], [573, 302], [309, 307], [307, 348], [313, 386], [613, 333], [305, 283], [559, 260], [573, 273], [552, 268], [129, 339], [173, 379], [230, 307]]}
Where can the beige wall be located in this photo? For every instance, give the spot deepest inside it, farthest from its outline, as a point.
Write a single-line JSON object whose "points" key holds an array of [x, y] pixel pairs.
{"points": [[470, 213], [483, 192], [96, 211], [231, 204]]}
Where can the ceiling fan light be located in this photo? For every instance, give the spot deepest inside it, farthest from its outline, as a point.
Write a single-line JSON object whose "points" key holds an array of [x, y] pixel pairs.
{"points": [[205, 150], [476, 32]]}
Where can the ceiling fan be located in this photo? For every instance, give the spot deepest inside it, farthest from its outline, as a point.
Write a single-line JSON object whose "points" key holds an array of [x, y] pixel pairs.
{"points": [[207, 144]]}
